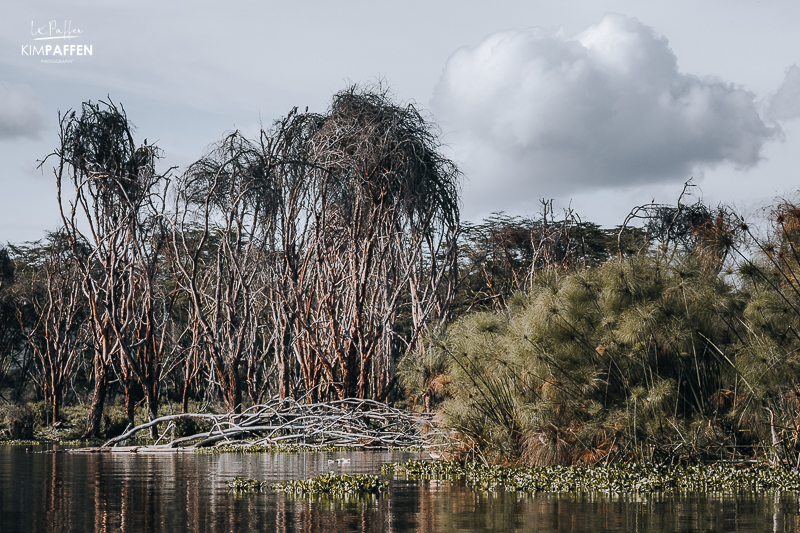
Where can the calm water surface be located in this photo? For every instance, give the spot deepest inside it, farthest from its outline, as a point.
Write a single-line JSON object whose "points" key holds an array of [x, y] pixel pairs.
{"points": [[55, 492]]}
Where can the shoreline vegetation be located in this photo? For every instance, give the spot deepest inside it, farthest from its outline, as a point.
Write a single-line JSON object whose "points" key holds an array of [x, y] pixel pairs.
{"points": [[616, 478], [316, 287], [633, 478]]}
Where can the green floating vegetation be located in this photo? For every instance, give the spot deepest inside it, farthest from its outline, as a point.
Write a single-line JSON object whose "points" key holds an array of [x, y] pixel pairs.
{"points": [[23, 442], [416, 469], [271, 448], [80, 442], [241, 484], [49, 442], [621, 478], [335, 484]]}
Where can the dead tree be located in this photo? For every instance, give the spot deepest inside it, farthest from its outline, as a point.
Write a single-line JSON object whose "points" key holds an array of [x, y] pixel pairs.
{"points": [[369, 213], [711, 234], [352, 423], [302, 255], [153, 303], [115, 195], [221, 220]]}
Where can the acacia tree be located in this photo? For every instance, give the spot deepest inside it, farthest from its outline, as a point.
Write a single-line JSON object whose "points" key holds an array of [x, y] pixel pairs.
{"points": [[10, 334], [153, 303], [289, 266], [114, 197], [220, 224], [502, 254], [51, 314], [368, 220]]}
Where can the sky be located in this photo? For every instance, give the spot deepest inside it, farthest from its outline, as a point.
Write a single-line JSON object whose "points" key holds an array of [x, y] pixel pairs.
{"points": [[600, 105]]}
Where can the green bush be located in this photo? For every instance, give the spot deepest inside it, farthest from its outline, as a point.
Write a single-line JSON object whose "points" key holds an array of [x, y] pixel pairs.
{"points": [[19, 423], [42, 412], [114, 422]]}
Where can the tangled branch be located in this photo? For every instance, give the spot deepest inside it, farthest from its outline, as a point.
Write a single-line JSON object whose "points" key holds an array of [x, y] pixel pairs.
{"points": [[357, 423]]}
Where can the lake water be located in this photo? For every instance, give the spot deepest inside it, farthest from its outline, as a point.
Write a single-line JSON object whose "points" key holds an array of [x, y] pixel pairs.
{"points": [[60, 492]]}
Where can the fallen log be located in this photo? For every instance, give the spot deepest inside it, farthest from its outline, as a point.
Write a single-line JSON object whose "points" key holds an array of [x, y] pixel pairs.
{"points": [[348, 423]]}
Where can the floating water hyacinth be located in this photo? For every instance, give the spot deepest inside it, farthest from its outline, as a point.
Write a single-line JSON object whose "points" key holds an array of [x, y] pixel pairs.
{"points": [[629, 478], [241, 484], [269, 448], [425, 469], [333, 484]]}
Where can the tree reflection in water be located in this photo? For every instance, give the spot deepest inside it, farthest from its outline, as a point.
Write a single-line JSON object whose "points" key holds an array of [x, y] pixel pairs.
{"points": [[55, 492]]}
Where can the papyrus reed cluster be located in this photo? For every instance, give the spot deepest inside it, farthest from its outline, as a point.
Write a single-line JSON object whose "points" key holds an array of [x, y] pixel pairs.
{"points": [[684, 347]]}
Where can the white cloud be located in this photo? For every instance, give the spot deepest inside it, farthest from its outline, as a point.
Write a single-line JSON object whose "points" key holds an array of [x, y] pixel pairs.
{"points": [[21, 112], [535, 114], [785, 103]]}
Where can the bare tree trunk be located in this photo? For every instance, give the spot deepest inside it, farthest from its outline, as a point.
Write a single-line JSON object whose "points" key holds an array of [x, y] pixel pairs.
{"points": [[151, 399], [55, 405], [233, 390], [95, 416], [114, 230], [283, 364], [126, 380]]}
